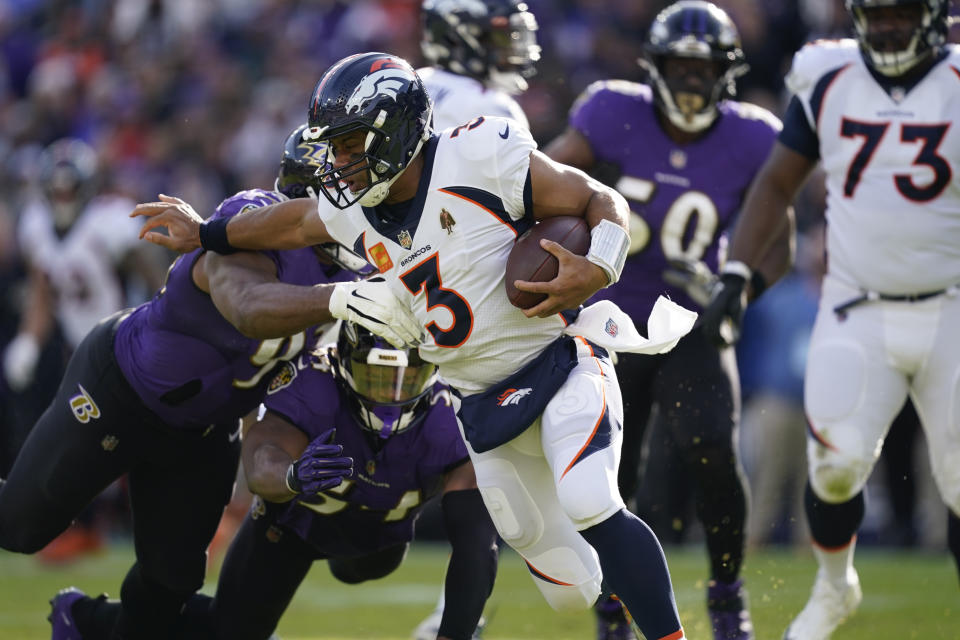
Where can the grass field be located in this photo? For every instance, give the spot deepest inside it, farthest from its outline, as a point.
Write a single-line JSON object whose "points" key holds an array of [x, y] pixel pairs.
{"points": [[905, 596]]}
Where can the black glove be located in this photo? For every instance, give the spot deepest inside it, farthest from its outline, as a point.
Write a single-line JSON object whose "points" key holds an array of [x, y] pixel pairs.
{"points": [[693, 276], [320, 467], [724, 314]]}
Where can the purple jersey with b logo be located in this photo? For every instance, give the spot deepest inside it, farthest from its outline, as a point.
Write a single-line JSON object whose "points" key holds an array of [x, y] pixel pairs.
{"points": [[684, 197], [377, 506], [187, 363]]}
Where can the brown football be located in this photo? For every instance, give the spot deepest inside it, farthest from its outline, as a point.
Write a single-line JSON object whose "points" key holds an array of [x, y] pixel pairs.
{"points": [[529, 261]]}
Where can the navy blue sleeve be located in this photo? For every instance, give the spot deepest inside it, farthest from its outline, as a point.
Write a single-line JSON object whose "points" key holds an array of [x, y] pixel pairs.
{"points": [[797, 133]]}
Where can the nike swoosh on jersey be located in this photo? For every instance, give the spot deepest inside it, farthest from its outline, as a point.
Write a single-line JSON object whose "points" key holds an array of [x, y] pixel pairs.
{"points": [[505, 133]]}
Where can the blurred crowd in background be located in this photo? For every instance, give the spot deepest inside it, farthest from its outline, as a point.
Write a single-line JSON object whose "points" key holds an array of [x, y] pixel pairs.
{"points": [[194, 99]]}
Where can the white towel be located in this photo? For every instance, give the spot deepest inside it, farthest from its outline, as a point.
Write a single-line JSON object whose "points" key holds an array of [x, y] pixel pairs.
{"points": [[605, 324]]}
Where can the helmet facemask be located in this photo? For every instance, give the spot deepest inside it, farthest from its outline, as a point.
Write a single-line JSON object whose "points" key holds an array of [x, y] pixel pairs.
{"points": [[896, 35], [687, 106], [302, 163], [68, 176], [67, 195], [372, 163], [375, 113], [686, 31], [513, 52], [493, 41], [387, 387]]}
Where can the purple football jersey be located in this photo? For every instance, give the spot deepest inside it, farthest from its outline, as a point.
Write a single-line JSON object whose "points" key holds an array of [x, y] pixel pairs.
{"points": [[687, 194], [187, 363], [377, 506]]}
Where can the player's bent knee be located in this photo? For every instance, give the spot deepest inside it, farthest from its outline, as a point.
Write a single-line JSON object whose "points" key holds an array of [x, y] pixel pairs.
{"points": [[18, 538], [568, 576], [21, 544], [587, 491], [587, 504], [570, 597], [836, 483], [346, 576]]}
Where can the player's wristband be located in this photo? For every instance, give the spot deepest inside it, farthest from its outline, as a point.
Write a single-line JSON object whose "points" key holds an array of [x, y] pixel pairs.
{"points": [[291, 480], [213, 236], [737, 268], [609, 243]]}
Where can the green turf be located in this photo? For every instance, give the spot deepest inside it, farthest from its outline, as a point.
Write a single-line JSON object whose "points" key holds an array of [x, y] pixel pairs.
{"points": [[906, 596]]}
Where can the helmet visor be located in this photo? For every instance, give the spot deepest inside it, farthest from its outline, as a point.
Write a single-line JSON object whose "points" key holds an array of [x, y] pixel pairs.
{"points": [[389, 376]]}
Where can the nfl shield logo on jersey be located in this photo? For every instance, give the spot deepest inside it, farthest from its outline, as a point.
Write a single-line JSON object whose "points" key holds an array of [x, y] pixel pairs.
{"points": [[405, 240], [611, 328], [678, 159]]}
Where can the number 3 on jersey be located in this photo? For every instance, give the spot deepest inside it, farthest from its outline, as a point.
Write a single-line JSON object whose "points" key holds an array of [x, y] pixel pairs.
{"points": [[426, 276]]}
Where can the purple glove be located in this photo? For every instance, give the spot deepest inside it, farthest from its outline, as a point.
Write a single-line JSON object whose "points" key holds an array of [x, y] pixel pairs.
{"points": [[320, 467]]}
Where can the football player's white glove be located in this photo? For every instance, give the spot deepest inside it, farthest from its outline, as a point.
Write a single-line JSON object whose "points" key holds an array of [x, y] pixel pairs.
{"points": [[372, 305], [693, 276], [20, 361]]}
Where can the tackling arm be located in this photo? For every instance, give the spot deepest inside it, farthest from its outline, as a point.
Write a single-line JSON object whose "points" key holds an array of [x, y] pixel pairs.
{"points": [[474, 554], [291, 224], [287, 225], [245, 290], [281, 464], [269, 448]]}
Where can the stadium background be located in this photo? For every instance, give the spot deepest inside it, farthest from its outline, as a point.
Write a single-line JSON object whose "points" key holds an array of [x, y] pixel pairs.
{"points": [[195, 98]]}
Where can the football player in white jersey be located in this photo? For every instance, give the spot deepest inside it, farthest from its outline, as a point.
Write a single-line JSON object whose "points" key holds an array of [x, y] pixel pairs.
{"points": [[877, 112], [481, 53], [536, 393], [76, 242], [79, 245]]}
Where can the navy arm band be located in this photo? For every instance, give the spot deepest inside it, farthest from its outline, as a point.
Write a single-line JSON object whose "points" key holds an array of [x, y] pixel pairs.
{"points": [[213, 236]]}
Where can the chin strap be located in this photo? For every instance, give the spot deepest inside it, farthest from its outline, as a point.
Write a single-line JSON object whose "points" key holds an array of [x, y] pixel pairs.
{"points": [[378, 192], [390, 417]]}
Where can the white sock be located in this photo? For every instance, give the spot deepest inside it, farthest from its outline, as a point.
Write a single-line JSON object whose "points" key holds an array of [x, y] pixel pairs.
{"points": [[836, 564]]}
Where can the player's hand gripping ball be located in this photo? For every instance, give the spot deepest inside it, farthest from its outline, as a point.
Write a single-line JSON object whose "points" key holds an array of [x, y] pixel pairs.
{"points": [[529, 261]]}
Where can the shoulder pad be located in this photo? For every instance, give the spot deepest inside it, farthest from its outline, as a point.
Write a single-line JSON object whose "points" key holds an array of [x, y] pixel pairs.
{"points": [[618, 87], [248, 199], [487, 139], [625, 87], [750, 111], [953, 55], [817, 58]]}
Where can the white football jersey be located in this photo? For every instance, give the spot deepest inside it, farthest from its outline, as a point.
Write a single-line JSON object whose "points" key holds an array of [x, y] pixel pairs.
{"points": [[82, 265], [892, 162], [459, 99], [447, 258]]}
